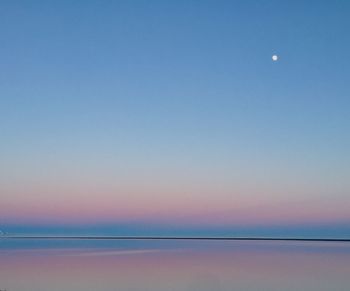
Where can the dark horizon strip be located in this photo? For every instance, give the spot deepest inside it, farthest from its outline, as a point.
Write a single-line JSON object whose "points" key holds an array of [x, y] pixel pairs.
{"points": [[180, 238]]}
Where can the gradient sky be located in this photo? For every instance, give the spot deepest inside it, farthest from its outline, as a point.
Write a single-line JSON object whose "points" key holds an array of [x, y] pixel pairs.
{"points": [[158, 115]]}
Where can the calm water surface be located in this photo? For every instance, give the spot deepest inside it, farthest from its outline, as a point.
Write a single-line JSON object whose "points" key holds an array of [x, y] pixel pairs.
{"points": [[173, 265]]}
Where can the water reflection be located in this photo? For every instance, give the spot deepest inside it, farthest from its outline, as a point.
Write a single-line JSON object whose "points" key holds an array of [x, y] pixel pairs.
{"points": [[173, 265]]}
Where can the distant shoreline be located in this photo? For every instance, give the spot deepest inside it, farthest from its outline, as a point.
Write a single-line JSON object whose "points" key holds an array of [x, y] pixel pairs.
{"points": [[178, 238]]}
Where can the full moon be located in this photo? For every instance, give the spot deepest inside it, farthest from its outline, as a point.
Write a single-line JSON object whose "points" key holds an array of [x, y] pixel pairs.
{"points": [[275, 58]]}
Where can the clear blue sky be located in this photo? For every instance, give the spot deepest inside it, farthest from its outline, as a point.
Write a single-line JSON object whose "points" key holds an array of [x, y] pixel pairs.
{"points": [[163, 113]]}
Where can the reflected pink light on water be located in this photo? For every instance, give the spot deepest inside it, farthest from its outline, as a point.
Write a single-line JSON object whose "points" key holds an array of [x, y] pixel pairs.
{"points": [[230, 268]]}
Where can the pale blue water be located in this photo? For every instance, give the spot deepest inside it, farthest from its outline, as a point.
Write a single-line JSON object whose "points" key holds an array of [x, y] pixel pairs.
{"points": [[38, 265]]}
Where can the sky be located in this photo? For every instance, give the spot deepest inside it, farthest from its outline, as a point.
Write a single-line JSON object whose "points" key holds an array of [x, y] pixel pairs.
{"points": [[170, 117]]}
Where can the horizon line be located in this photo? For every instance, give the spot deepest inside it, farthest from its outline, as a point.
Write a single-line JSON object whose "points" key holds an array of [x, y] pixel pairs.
{"points": [[220, 238]]}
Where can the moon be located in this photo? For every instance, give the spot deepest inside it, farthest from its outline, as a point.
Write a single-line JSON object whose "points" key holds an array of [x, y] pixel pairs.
{"points": [[275, 58]]}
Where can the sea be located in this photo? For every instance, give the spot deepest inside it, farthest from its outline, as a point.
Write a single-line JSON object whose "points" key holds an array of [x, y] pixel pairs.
{"points": [[172, 265]]}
